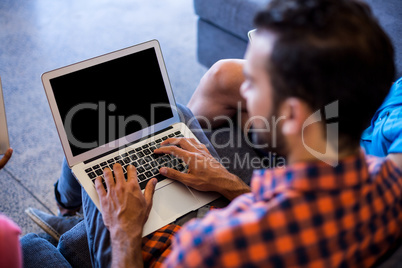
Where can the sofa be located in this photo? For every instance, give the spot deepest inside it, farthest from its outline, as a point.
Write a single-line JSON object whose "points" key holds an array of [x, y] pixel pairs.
{"points": [[223, 25], [222, 29]]}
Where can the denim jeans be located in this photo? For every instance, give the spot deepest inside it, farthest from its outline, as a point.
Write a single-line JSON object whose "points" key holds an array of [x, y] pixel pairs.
{"points": [[69, 194]]}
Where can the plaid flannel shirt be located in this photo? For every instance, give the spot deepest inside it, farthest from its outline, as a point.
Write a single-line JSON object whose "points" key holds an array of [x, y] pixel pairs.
{"points": [[308, 214]]}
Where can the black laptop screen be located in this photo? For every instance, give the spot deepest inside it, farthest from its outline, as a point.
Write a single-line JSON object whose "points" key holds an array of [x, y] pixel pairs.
{"points": [[110, 100]]}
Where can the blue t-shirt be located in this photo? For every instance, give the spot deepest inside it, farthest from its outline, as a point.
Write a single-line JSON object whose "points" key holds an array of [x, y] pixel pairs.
{"points": [[384, 135]]}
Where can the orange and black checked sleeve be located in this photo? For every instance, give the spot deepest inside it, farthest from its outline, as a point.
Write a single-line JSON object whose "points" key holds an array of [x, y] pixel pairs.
{"points": [[306, 215]]}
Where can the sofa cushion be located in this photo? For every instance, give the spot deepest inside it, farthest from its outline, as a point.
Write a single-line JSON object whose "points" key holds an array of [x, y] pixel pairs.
{"points": [[389, 14], [234, 16]]}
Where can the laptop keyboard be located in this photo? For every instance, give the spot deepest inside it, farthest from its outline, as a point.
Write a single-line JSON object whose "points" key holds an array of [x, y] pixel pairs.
{"points": [[146, 162]]}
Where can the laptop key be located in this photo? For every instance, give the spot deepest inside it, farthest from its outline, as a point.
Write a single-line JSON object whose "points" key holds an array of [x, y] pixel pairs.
{"points": [[155, 156], [147, 167], [110, 161], [160, 161], [141, 177], [135, 163], [181, 168], [92, 175], [98, 172], [88, 170]]}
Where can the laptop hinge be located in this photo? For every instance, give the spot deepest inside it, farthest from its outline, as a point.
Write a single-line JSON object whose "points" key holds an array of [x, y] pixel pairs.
{"points": [[126, 145]]}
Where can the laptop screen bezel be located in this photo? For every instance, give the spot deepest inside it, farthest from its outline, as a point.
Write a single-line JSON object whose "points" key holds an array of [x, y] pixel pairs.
{"points": [[121, 142]]}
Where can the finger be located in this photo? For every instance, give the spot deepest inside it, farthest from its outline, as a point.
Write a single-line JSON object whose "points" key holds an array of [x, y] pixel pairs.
{"points": [[131, 174], [170, 141], [100, 189], [176, 151], [149, 190], [198, 145], [170, 173], [118, 174], [108, 176], [6, 157], [182, 142]]}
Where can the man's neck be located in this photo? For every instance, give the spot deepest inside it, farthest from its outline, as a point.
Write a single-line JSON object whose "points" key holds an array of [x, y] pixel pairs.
{"points": [[297, 155]]}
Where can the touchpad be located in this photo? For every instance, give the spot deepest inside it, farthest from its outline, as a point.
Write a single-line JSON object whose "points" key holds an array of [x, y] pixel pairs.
{"points": [[174, 199]]}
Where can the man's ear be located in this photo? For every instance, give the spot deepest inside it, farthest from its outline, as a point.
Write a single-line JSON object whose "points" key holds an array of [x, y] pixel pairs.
{"points": [[295, 111]]}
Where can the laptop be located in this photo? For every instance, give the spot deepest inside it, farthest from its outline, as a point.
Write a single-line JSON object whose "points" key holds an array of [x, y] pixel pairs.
{"points": [[4, 139], [117, 108]]}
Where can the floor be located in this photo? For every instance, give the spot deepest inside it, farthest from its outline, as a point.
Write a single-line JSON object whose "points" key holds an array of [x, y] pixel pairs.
{"points": [[38, 36]]}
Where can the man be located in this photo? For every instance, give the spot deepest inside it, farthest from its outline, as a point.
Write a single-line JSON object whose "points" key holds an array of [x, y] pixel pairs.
{"points": [[337, 209], [384, 135], [306, 55], [219, 91]]}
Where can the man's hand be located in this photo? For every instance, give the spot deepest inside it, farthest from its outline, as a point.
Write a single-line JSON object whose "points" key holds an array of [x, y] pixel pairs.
{"points": [[205, 173], [6, 157], [124, 211]]}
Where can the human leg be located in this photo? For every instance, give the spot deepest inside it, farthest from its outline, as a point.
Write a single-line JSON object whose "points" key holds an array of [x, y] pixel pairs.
{"points": [[218, 94], [38, 252], [67, 191]]}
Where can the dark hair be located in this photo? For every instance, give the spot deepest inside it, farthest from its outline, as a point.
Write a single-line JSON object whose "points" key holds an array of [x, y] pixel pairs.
{"points": [[329, 50]]}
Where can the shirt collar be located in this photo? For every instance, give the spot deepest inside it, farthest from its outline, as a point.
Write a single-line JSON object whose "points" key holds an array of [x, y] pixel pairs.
{"points": [[310, 177]]}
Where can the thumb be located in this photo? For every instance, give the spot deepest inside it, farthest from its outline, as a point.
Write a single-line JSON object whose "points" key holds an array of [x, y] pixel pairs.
{"points": [[149, 191], [174, 174]]}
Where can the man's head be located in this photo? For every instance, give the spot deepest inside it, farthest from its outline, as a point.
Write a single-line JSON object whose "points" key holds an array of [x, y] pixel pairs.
{"points": [[317, 52]]}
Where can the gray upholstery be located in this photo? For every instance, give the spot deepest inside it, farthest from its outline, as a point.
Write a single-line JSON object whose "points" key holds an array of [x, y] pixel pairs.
{"points": [[234, 16], [389, 14], [223, 27]]}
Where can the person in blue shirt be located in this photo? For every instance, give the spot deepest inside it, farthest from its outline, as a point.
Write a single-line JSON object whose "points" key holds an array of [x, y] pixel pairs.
{"points": [[384, 135]]}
